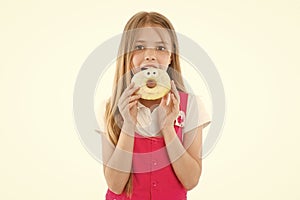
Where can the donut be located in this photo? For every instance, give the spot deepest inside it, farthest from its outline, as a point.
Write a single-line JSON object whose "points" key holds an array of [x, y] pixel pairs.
{"points": [[154, 83]]}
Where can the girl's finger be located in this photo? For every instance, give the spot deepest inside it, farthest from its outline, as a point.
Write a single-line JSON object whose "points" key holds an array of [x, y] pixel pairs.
{"points": [[127, 89], [175, 101], [123, 95], [165, 99], [133, 90], [131, 85], [124, 98], [173, 87], [122, 106], [163, 102], [134, 97], [130, 105]]}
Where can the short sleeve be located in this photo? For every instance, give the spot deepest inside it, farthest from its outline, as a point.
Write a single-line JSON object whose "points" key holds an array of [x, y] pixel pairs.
{"points": [[197, 113]]}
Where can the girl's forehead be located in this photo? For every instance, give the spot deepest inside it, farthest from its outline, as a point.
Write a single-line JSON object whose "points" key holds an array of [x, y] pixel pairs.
{"points": [[152, 35]]}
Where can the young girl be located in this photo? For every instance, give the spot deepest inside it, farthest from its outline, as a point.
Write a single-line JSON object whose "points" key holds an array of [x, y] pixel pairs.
{"points": [[152, 148]]}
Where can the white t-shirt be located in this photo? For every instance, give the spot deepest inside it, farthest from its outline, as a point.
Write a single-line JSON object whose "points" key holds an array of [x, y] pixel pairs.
{"points": [[195, 116], [148, 122]]}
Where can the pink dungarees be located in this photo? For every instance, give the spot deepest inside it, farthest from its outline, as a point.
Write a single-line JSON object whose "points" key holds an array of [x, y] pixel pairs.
{"points": [[155, 178]]}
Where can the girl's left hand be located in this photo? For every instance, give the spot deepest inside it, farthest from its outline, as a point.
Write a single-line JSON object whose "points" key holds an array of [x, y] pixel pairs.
{"points": [[170, 111]]}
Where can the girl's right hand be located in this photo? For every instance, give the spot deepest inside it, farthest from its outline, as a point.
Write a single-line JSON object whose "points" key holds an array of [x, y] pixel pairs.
{"points": [[128, 106]]}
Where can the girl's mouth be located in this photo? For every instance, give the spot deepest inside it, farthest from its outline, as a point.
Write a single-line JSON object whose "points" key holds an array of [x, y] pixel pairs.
{"points": [[148, 66], [151, 83]]}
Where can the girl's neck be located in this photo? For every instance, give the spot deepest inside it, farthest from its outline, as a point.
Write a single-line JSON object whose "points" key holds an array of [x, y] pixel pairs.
{"points": [[150, 103]]}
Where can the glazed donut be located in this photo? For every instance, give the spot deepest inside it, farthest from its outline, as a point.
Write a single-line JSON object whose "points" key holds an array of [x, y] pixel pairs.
{"points": [[154, 83]]}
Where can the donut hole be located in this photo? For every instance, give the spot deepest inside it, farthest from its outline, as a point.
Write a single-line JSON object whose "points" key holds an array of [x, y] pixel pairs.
{"points": [[151, 83]]}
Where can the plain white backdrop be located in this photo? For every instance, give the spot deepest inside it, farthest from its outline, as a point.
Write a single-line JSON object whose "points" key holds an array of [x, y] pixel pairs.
{"points": [[254, 45]]}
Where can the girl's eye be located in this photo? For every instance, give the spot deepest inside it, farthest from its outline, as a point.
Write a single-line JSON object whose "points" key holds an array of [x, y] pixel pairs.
{"points": [[161, 48], [139, 47]]}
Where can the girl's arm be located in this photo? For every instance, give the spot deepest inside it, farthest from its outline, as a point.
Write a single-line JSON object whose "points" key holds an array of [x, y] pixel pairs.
{"points": [[117, 162], [186, 161]]}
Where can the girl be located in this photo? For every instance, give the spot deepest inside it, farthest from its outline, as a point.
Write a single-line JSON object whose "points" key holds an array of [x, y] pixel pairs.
{"points": [[152, 148]]}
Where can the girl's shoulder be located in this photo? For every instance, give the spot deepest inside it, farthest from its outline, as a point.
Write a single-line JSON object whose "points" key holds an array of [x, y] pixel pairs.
{"points": [[197, 112]]}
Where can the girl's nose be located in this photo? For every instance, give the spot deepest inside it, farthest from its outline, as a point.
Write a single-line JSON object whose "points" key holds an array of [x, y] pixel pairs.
{"points": [[150, 55]]}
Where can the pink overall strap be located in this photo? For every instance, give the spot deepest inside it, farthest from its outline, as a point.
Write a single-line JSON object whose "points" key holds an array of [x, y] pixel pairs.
{"points": [[181, 119]]}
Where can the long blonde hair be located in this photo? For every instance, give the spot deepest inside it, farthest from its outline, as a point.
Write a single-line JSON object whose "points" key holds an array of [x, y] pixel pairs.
{"points": [[123, 65]]}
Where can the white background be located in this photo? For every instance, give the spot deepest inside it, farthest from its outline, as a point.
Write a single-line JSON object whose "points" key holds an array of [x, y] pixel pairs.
{"points": [[254, 44]]}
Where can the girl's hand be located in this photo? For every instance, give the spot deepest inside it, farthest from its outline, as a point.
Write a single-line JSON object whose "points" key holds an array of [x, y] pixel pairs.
{"points": [[169, 111], [128, 107]]}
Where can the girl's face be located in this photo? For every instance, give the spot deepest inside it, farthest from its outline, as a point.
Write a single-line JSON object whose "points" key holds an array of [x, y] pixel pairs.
{"points": [[152, 48]]}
